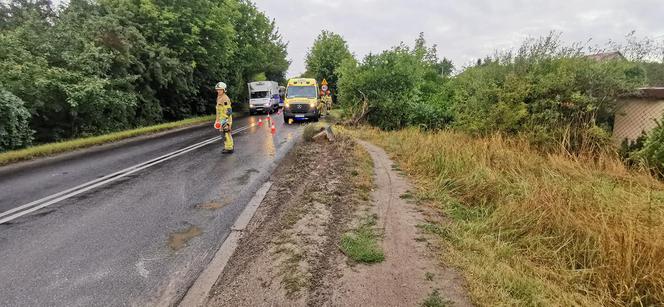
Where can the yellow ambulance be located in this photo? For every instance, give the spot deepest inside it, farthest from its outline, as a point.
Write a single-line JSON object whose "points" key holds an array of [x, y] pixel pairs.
{"points": [[301, 102]]}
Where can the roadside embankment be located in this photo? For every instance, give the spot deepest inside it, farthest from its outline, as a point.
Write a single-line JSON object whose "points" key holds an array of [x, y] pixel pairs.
{"points": [[529, 229], [335, 230], [290, 250], [71, 145]]}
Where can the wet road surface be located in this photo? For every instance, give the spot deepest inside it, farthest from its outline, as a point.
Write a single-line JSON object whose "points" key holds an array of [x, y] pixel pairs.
{"points": [[141, 239]]}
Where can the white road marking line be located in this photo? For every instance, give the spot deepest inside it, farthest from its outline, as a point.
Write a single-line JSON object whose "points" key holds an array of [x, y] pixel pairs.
{"points": [[95, 181], [58, 197]]}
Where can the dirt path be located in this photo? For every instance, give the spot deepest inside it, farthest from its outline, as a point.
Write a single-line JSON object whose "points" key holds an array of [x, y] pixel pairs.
{"points": [[409, 273], [291, 255]]}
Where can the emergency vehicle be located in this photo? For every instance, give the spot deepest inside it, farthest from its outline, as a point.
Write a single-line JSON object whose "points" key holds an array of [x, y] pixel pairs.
{"points": [[301, 101]]}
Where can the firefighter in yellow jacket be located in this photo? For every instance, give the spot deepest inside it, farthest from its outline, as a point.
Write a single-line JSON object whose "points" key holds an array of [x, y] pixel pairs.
{"points": [[224, 121], [326, 99]]}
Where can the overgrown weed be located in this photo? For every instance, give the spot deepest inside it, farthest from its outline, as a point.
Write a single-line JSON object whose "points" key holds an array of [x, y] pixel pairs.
{"points": [[530, 229]]}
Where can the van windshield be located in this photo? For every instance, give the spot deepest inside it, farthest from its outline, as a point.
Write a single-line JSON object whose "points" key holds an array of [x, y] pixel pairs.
{"points": [[256, 95], [301, 92]]}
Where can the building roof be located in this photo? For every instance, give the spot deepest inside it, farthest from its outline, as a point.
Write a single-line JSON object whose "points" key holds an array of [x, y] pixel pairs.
{"points": [[652, 92], [656, 93], [606, 56]]}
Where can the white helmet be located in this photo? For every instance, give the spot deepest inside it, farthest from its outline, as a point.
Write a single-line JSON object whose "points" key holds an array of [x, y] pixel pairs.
{"points": [[220, 86]]}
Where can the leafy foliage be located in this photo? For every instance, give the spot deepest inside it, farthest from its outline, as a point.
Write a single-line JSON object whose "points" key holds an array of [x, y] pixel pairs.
{"points": [[653, 149], [544, 90], [655, 73], [551, 93], [402, 87], [92, 67], [14, 119], [435, 300], [325, 57]]}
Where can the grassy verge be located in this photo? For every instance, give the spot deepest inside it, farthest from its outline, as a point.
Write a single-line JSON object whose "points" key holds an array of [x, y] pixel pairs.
{"points": [[65, 146], [527, 229], [362, 173], [336, 116], [361, 244], [435, 300]]}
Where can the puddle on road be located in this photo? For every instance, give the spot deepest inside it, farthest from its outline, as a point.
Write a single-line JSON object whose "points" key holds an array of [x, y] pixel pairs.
{"points": [[178, 240], [245, 178]]}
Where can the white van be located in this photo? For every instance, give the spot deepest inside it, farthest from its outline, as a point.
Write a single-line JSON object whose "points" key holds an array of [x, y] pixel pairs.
{"points": [[263, 97]]}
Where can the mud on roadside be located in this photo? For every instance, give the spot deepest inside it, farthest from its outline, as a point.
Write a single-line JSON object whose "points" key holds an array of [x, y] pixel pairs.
{"points": [[290, 252]]}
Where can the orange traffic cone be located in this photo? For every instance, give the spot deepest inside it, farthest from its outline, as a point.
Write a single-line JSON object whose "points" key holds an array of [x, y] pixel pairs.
{"points": [[260, 122], [268, 118], [273, 129]]}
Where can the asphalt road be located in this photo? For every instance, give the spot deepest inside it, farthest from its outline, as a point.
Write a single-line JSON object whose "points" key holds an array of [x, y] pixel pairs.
{"points": [[117, 244]]}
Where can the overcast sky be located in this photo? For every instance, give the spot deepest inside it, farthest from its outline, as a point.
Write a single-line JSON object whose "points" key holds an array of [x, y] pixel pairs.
{"points": [[463, 30]]}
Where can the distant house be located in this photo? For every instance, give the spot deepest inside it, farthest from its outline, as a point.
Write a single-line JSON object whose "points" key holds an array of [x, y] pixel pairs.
{"points": [[638, 113], [635, 114], [606, 56]]}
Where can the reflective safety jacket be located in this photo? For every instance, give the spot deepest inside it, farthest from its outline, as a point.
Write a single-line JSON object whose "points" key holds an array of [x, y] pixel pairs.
{"points": [[224, 110]]}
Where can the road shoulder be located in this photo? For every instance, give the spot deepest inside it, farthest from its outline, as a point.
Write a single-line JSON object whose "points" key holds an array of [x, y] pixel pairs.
{"points": [[294, 251], [31, 161], [410, 274]]}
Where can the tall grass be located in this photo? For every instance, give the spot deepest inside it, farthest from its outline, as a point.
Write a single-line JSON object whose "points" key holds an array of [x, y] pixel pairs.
{"points": [[49, 149], [528, 229]]}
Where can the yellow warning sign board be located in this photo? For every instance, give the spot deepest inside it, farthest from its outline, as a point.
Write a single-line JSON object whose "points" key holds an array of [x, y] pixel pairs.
{"points": [[323, 86]]}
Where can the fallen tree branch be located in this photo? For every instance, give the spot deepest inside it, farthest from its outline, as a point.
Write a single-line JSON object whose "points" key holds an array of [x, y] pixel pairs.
{"points": [[327, 132], [358, 117]]}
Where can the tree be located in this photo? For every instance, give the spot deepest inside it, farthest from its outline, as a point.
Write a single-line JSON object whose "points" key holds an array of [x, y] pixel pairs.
{"points": [[15, 130], [260, 50], [92, 67], [17, 12], [401, 87], [445, 67], [325, 57]]}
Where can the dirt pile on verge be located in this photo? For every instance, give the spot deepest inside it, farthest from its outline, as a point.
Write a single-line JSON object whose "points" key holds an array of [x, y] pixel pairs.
{"points": [[290, 252], [329, 205]]}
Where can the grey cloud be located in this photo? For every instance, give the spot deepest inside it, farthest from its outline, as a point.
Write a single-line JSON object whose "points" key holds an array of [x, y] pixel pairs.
{"points": [[463, 30]]}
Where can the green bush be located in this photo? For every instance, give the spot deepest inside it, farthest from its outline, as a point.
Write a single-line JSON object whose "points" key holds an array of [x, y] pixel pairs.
{"points": [[655, 73], [552, 94], [652, 152], [15, 129], [402, 87]]}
